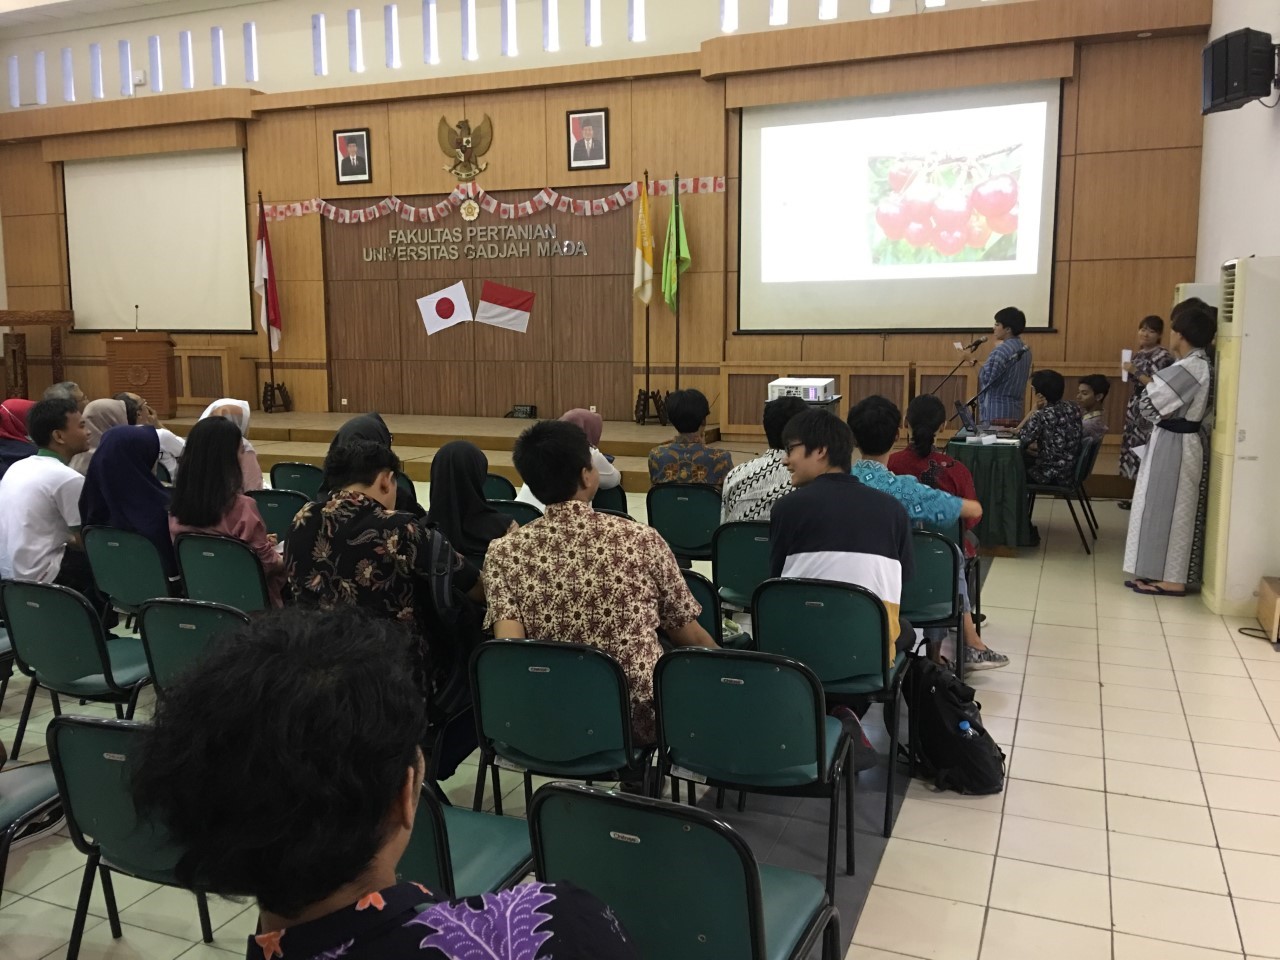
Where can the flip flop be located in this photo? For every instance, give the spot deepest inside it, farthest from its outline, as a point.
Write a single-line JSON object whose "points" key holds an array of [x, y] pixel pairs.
{"points": [[1158, 591], [1131, 584]]}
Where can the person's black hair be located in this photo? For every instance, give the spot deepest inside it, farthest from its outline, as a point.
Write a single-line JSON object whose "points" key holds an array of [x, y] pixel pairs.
{"points": [[550, 457], [210, 476], [688, 410], [1153, 323], [925, 417], [1096, 382], [1050, 384], [818, 428], [875, 422], [1196, 320], [357, 461], [275, 762], [46, 417], [130, 408], [777, 414], [1013, 319]]}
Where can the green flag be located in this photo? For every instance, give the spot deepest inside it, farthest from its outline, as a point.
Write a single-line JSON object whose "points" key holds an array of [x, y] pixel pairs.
{"points": [[672, 264]]}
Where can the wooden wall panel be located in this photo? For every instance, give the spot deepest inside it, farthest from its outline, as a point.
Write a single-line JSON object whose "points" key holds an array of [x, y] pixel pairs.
{"points": [[417, 162], [1065, 207], [701, 310], [508, 382], [779, 347], [1070, 116], [226, 103], [610, 239], [177, 138], [1109, 298], [309, 389], [280, 157], [365, 385], [1140, 95], [837, 346], [1136, 204], [680, 125], [296, 250], [302, 312], [35, 251], [607, 386], [363, 320], [593, 317], [370, 115], [744, 393], [518, 157], [614, 97], [441, 389], [38, 298], [29, 185], [344, 244]]}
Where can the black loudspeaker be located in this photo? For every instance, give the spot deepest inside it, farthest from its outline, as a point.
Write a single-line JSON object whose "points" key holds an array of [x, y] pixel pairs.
{"points": [[1238, 68]]}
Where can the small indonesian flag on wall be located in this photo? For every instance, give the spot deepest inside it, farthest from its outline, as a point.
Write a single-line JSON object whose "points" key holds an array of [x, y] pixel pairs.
{"points": [[506, 307], [444, 308]]}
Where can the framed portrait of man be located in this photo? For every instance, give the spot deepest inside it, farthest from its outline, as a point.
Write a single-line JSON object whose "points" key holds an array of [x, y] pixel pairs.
{"points": [[588, 139], [353, 163]]}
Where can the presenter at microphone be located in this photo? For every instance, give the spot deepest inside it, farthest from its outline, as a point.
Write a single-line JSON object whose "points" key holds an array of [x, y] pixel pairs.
{"points": [[1003, 378]]}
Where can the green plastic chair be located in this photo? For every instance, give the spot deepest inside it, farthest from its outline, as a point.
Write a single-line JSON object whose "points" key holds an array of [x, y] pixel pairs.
{"points": [[460, 853], [91, 760], [754, 722], [616, 513], [222, 570], [6, 662], [126, 566], [553, 709], [683, 883], [498, 487], [1090, 460], [305, 478], [278, 508], [840, 631], [686, 514], [59, 642], [704, 592], [931, 598], [1070, 492], [517, 510], [176, 633], [740, 560], [615, 498], [28, 795]]}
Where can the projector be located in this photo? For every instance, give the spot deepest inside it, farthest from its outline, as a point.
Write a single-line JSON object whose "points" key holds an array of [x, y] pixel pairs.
{"points": [[812, 389]]}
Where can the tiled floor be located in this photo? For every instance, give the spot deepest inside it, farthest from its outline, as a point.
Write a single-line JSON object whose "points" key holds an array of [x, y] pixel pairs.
{"points": [[1137, 822]]}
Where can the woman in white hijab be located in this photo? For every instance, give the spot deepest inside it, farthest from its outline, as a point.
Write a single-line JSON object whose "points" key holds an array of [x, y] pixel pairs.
{"points": [[237, 411]]}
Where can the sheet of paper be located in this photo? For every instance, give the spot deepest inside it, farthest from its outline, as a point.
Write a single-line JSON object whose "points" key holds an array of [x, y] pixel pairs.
{"points": [[1125, 357]]}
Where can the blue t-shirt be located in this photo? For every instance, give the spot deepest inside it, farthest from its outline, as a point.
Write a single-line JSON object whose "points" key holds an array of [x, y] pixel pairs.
{"points": [[923, 504]]}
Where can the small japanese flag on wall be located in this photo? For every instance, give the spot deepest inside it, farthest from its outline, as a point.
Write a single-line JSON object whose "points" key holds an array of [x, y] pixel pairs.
{"points": [[507, 307], [444, 308]]}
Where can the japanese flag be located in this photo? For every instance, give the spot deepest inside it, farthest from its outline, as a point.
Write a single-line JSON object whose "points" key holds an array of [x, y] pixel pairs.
{"points": [[444, 308], [502, 306]]}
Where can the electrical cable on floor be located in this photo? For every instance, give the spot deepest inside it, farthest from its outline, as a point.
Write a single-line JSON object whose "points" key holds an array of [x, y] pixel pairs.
{"points": [[1255, 632]]}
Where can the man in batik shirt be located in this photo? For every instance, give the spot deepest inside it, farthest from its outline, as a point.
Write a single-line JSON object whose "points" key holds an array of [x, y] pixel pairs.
{"points": [[687, 458]]}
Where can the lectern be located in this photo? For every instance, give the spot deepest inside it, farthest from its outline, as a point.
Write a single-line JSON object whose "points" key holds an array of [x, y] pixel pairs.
{"points": [[142, 363]]}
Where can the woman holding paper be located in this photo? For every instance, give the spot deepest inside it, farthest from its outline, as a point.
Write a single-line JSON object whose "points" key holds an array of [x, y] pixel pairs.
{"points": [[1147, 359]]}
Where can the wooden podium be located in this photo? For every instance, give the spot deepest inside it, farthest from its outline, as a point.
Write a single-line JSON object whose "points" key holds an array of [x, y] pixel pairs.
{"points": [[142, 363]]}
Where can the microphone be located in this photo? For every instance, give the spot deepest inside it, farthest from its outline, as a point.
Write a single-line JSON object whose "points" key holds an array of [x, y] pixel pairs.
{"points": [[1020, 354], [135, 318], [977, 343]]}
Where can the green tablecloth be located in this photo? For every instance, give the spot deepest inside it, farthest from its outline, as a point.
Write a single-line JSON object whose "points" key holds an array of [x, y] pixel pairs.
{"points": [[1001, 480]]}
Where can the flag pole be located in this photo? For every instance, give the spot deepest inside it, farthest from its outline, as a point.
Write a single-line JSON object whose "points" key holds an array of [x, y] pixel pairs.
{"points": [[270, 390], [648, 387], [679, 219]]}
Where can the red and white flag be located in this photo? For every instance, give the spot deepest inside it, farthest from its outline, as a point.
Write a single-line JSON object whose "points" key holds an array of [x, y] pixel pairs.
{"points": [[507, 307], [264, 284], [444, 308]]}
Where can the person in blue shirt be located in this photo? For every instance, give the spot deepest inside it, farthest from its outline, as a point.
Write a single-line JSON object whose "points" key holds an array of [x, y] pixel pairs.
{"points": [[1003, 378], [875, 422]]}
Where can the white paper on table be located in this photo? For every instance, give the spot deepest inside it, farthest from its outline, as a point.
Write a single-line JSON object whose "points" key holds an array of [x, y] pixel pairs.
{"points": [[1126, 356], [1139, 452]]}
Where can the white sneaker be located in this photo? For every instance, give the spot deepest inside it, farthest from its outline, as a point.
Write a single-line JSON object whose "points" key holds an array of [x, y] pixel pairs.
{"points": [[986, 659]]}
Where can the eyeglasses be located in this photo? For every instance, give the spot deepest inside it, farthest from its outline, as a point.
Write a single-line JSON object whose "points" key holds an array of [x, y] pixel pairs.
{"points": [[792, 446]]}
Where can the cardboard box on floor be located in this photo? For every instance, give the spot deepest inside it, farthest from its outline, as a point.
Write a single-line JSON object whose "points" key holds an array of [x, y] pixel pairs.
{"points": [[1269, 607]]}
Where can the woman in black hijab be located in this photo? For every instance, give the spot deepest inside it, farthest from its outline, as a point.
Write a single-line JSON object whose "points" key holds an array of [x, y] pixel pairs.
{"points": [[458, 507], [371, 426]]}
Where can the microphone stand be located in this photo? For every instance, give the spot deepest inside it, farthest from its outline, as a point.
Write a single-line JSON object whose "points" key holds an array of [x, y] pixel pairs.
{"points": [[945, 380], [972, 402]]}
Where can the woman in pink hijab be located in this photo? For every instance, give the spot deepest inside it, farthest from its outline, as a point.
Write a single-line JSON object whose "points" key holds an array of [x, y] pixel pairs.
{"points": [[592, 425], [99, 417]]}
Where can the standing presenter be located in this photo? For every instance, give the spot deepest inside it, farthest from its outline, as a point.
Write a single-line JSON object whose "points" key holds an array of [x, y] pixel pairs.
{"points": [[1003, 378]]}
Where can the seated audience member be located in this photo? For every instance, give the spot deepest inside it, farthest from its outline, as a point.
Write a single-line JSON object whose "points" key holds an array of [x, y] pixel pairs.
{"points": [[141, 413], [237, 411], [458, 506], [40, 505], [66, 390], [371, 427], [751, 488], [208, 496], [1052, 432], [99, 417], [15, 444], [586, 577], [288, 769], [874, 422], [921, 459], [686, 458], [592, 424], [1091, 394], [121, 489]]}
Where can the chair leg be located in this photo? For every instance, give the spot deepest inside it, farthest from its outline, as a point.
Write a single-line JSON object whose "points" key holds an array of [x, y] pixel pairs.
{"points": [[528, 792], [206, 926], [893, 766], [497, 792], [82, 907], [831, 937], [691, 794], [57, 704], [719, 798], [109, 895], [6, 839], [4, 685], [22, 721], [133, 701], [742, 801], [675, 790], [848, 810], [120, 711], [1080, 530], [833, 832], [478, 802]]}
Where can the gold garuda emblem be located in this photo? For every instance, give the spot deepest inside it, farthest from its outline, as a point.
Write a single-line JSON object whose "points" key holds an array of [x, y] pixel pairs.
{"points": [[465, 147]]}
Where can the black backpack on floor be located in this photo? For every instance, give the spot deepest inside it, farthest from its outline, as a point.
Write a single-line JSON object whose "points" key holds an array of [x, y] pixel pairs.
{"points": [[938, 702]]}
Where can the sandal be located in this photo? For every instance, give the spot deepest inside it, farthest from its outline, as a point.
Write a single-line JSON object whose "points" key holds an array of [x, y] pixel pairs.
{"points": [[1155, 591], [1132, 584]]}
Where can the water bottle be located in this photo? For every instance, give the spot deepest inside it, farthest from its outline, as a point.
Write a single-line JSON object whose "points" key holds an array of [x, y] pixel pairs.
{"points": [[966, 730]]}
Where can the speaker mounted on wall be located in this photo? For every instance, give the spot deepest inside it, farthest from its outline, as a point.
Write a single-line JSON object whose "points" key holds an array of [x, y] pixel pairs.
{"points": [[1239, 67]]}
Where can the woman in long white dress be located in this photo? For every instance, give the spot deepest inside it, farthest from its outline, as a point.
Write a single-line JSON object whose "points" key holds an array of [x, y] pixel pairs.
{"points": [[1177, 401]]}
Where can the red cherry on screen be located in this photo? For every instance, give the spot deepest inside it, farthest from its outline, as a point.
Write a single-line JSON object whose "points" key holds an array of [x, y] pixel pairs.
{"points": [[900, 175], [949, 242], [1005, 223], [951, 210], [979, 234], [996, 196], [892, 217], [918, 235], [919, 201]]}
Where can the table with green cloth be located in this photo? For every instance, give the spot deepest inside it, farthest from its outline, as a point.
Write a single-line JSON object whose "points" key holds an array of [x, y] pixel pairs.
{"points": [[1001, 482]]}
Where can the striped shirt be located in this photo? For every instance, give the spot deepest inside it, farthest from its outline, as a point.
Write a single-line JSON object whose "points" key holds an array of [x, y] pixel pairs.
{"points": [[1004, 378], [837, 528]]}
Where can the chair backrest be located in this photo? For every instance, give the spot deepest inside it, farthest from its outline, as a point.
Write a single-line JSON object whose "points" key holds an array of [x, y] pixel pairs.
{"points": [[222, 570], [176, 633], [932, 593], [683, 883], [278, 508], [126, 566], [686, 514], [837, 630], [305, 478], [405, 484], [498, 487], [741, 716], [704, 591], [616, 513], [517, 510], [740, 556], [615, 498], [163, 475], [91, 761], [56, 635], [1089, 448], [553, 701], [426, 859]]}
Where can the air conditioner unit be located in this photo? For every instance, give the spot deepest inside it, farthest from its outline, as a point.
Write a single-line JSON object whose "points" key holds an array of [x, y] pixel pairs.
{"points": [[1242, 542]]}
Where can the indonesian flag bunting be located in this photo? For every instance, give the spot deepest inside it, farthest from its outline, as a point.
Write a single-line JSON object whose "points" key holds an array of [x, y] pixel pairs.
{"points": [[264, 284], [642, 284], [506, 307], [444, 308]]}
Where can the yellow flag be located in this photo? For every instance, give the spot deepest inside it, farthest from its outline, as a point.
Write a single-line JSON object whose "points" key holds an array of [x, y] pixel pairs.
{"points": [[643, 282]]}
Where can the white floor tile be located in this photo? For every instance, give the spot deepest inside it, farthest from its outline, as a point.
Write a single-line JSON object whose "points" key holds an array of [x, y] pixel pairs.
{"points": [[988, 803], [949, 825], [1062, 669], [39, 864], [1145, 677], [936, 871], [1136, 698], [1247, 831], [1152, 640], [891, 920], [136, 942], [1042, 631], [1253, 876], [1240, 793], [1061, 768], [1226, 708], [31, 929], [1233, 733], [1009, 935], [1154, 783], [1001, 728], [1067, 614], [173, 912], [1183, 916], [1191, 683], [1147, 723], [1052, 892], [1060, 738], [1259, 927], [1197, 629], [1263, 669], [1167, 862], [1064, 650], [1057, 844], [998, 704], [1054, 803], [1135, 625], [1239, 761], [1154, 659], [1070, 713], [1183, 822], [1129, 947], [859, 952], [1231, 666], [1158, 751], [1079, 691]]}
